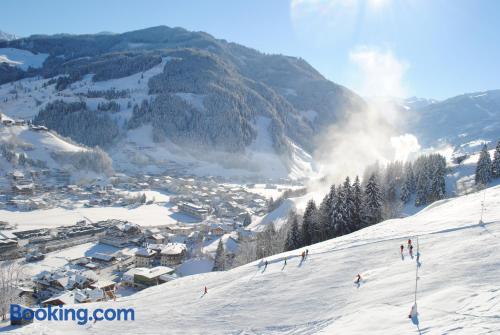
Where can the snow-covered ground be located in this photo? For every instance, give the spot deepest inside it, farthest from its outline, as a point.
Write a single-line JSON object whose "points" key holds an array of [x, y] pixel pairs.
{"points": [[22, 58], [58, 259], [146, 215], [458, 291], [36, 145]]}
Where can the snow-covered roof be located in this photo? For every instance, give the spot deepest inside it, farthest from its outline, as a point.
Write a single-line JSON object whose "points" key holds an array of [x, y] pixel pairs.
{"points": [[143, 252], [67, 297], [173, 249], [103, 257], [7, 235]]}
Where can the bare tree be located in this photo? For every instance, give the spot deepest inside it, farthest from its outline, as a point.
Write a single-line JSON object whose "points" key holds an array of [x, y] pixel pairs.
{"points": [[11, 275]]}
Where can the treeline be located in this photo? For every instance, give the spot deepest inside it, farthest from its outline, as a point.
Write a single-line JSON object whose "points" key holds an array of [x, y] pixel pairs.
{"points": [[74, 120], [487, 169], [109, 94], [104, 67], [351, 206], [346, 208], [109, 106]]}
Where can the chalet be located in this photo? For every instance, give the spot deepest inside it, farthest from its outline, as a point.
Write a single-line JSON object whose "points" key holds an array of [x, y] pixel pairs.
{"points": [[26, 188], [98, 291], [8, 241], [39, 128], [172, 254], [216, 229], [153, 236], [103, 258], [51, 283], [122, 234], [17, 175], [88, 295], [34, 256], [180, 230], [144, 257], [193, 210], [146, 277], [64, 298]]}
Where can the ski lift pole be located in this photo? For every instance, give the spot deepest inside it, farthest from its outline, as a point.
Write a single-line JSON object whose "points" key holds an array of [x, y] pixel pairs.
{"points": [[482, 206], [416, 272]]}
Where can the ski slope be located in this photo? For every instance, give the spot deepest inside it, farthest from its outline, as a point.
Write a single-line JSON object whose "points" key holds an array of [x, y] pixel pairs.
{"points": [[458, 286]]}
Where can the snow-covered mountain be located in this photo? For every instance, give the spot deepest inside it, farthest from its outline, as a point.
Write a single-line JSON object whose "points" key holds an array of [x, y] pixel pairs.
{"points": [[464, 121], [456, 291], [181, 92], [4, 36]]}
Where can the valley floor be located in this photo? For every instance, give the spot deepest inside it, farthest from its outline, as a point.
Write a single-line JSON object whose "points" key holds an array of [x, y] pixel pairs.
{"points": [[458, 286]]}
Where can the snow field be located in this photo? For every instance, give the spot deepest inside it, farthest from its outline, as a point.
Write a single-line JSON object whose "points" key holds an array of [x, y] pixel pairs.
{"points": [[458, 285]]}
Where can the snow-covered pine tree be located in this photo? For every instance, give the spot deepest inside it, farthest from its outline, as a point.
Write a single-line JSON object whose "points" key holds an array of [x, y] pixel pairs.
{"points": [[495, 165], [357, 197], [293, 240], [408, 185], [220, 258], [330, 223], [373, 202], [348, 210], [437, 187], [483, 167], [341, 213], [324, 216], [309, 223]]}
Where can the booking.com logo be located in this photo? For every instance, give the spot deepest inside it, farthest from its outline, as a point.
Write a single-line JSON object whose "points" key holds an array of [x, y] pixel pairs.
{"points": [[81, 315]]}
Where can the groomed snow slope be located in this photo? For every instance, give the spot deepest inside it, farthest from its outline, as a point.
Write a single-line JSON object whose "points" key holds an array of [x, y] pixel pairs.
{"points": [[459, 290]]}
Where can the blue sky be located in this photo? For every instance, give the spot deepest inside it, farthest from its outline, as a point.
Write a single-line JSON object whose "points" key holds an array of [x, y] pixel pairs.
{"points": [[428, 48]]}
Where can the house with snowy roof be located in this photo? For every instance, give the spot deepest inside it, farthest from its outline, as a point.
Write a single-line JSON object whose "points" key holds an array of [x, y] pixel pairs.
{"points": [[172, 254], [144, 257]]}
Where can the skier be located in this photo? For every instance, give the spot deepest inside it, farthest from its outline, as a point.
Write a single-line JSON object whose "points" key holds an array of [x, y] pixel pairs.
{"points": [[411, 251], [206, 290], [402, 248], [409, 243], [265, 265], [307, 252], [413, 312], [285, 260], [303, 255], [358, 279]]}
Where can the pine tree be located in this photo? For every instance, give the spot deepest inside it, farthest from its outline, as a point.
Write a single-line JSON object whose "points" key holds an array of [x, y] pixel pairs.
{"points": [[495, 165], [421, 190], [357, 196], [309, 223], [373, 202], [324, 216], [437, 187], [483, 168], [348, 207], [330, 220], [405, 193], [293, 240], [220, 257], [408, 186]]}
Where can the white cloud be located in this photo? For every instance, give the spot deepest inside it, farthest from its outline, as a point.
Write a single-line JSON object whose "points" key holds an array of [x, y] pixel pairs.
{"points": [[374, 133], [380, 72]]}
